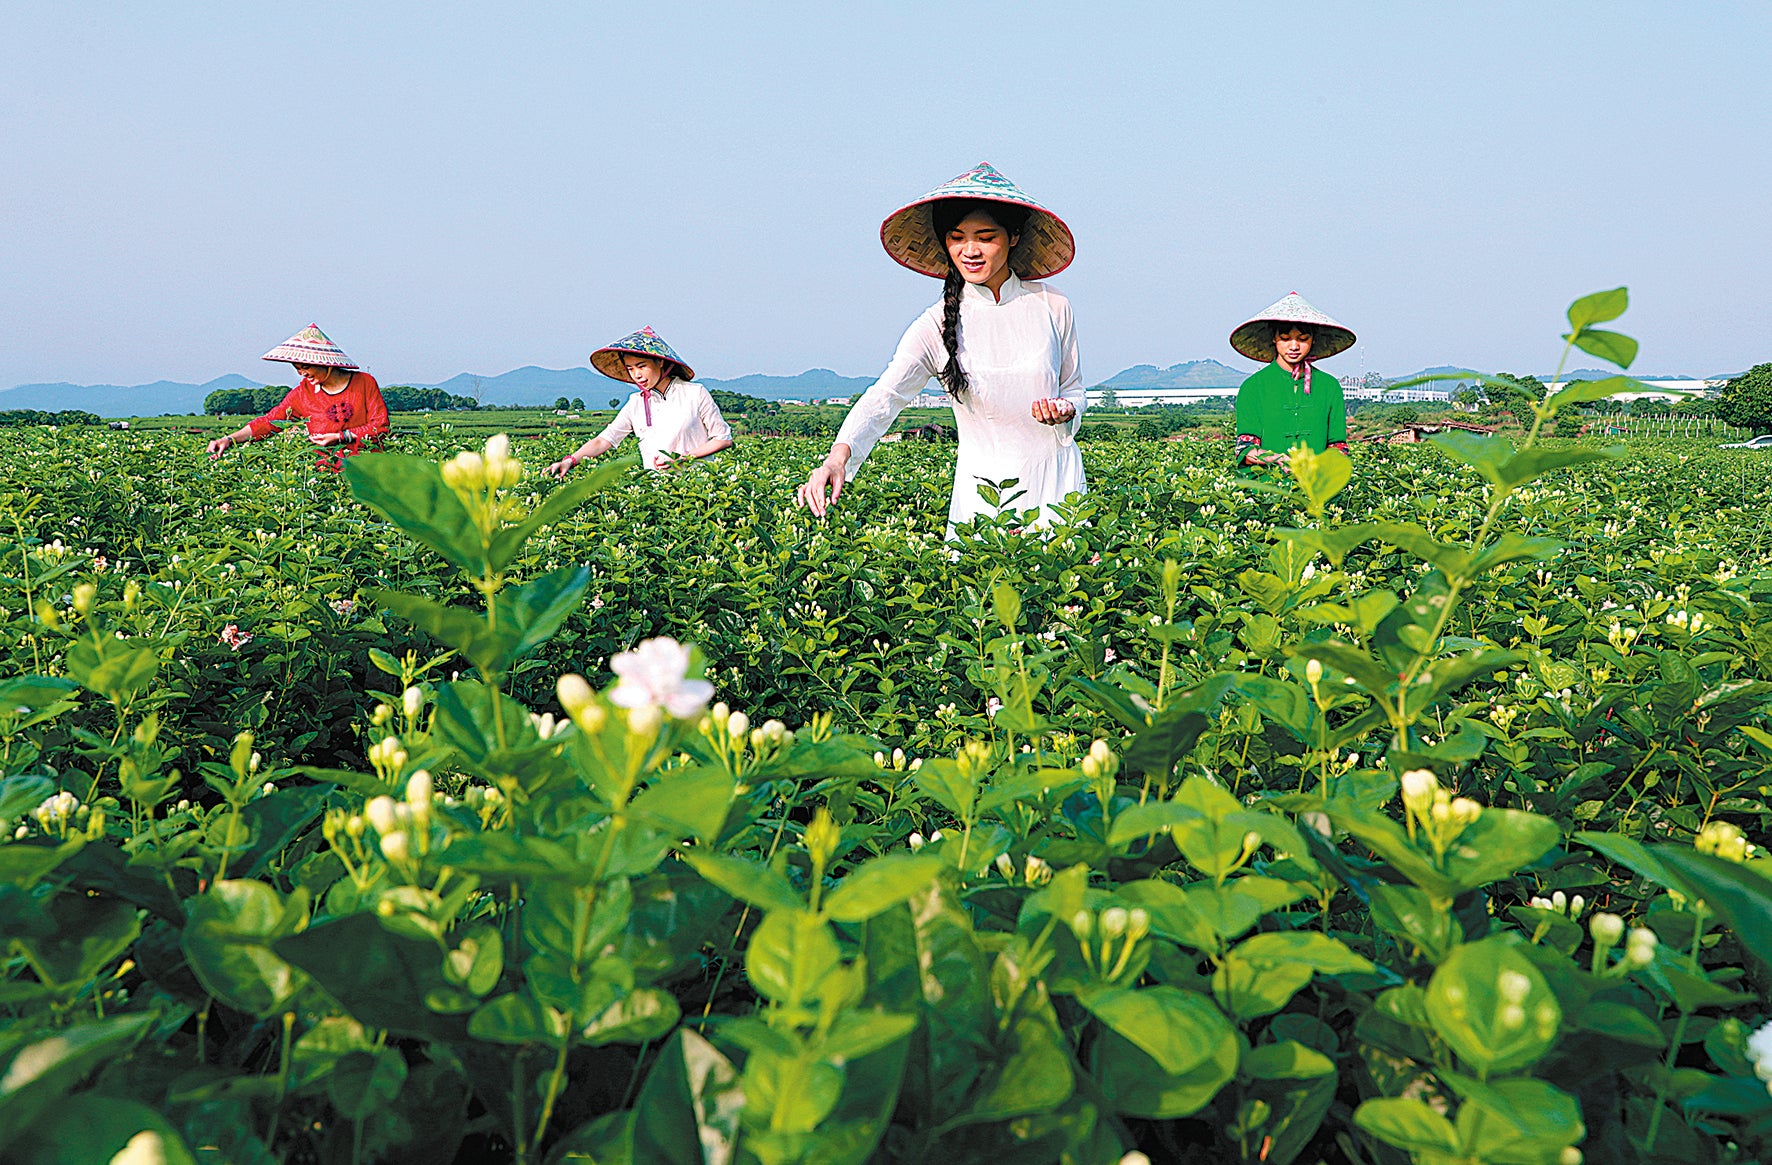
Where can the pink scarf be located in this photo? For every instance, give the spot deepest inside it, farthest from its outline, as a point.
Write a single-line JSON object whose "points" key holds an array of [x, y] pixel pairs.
{"points": [[1303, 372]]}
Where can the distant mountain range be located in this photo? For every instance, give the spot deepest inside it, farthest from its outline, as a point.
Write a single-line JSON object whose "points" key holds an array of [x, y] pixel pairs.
{"points": [[1190, 374], [539, 386]]}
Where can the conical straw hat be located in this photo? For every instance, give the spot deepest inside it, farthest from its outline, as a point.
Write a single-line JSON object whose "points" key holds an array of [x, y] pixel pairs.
{"points": [[644, 342], [310, 346], [1255, 339], [1046, 245]]}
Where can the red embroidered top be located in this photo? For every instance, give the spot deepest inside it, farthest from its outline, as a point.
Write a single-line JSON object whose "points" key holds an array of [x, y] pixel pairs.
{"points": [[358, 407]]}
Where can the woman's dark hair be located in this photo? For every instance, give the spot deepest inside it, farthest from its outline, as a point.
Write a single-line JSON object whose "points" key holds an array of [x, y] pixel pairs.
{"points": [[1281, 327], [944, 216]]}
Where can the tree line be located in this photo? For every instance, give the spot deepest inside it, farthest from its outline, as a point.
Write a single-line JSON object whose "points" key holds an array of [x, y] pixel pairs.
{"points": [[400, 398]]}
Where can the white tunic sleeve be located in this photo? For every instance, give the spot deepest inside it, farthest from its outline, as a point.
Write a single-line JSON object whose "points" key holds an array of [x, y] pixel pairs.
{"points": [[920, 354], [1070, 376], [623, 424], [712, 420]]}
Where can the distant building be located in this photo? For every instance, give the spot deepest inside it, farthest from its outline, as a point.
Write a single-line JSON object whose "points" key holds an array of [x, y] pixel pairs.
{"points": [[1131, 398], [933, 400], [838, 400]]}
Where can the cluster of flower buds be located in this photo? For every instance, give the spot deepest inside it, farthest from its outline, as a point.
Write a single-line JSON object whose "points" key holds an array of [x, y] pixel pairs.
{"points": [[1639, 944], [1621, 637], [388, 757], [1725, 840], [1035, 871], [896, 762], [1099, 762], [1691, 622], [404, 826], [494, 468], [822, 838], [1108, 939], [546, 726], [917, 841], [1514, 988], [1503, 716], [1759, 1053], [1432, 809], [60, 813], [1568, 907], [581, 703]]}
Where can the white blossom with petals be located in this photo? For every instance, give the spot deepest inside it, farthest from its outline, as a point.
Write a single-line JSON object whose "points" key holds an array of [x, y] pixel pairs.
{"points": [[654, 675]]}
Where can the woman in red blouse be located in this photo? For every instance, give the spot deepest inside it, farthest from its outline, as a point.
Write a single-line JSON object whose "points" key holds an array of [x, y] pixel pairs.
{"points": [[341, 403]]}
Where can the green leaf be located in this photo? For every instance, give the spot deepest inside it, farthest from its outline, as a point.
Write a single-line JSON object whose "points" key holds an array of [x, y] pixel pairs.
{"points": [[515, 1018], [745, 880], [1599, 307], [113, 669], [93, 1128], [1134, 1084], [1515, 1120], [687, 1112], [1467, 1003], [40, 1072], [1171, 735], [458, 627], [1734, 892], [861, 1033], [1151, 817], [644, 1013], [507, 544], [1286, 1060], [1306, 948], [1033, 1074], [363, 1082], [1530, 464], [1634, 855], [1173, 912], [1407, 1124], [379, 977], [1177, 1029], [410, 493], [20, 794], [531, 613], [228, 941], [90, 931], [880, 885], [790, 956], [1006, 604], [1584, 391]]}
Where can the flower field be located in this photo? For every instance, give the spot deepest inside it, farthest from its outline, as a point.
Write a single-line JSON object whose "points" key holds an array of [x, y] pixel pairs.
{"points": [[1407, 812]]}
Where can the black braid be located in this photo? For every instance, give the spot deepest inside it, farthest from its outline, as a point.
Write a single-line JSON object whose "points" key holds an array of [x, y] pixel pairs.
{"points": [[953, 377]]}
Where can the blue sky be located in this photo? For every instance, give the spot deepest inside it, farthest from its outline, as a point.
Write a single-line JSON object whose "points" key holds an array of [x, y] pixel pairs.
{"points": [[449, 187]]}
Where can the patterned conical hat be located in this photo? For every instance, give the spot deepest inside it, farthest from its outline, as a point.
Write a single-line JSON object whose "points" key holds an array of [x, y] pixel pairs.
{"points": [[310, 346], [1255, 339], [644, 342], [1046, 245]]}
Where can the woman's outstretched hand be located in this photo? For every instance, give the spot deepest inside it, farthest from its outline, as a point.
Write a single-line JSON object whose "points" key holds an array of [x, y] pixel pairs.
{"points": [[1054, 410], [326, 440], [829, 476], [559, 469], [220, 445]]}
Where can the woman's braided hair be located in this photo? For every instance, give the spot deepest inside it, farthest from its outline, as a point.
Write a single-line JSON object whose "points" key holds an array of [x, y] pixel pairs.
{"points": [[944, 217]]}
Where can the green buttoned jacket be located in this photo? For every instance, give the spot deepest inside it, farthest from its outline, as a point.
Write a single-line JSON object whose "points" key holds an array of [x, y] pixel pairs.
{"points": [[1273, 408]]}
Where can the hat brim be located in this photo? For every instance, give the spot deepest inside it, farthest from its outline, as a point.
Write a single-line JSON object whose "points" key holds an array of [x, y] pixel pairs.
{"points": [[284, 354], [1045, 248], [1255, 339], [608, 362]]}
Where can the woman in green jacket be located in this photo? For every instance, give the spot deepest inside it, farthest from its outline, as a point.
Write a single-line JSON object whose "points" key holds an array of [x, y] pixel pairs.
{"points": [[1289, 403]]}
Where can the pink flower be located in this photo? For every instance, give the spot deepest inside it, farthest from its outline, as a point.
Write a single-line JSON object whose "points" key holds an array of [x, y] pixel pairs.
{"points": [[1110, 655], [343, 607], [100, 563], [597, 603], [1095, 560], [654, 674], [225, 507], [234, 637], [992, 706]]}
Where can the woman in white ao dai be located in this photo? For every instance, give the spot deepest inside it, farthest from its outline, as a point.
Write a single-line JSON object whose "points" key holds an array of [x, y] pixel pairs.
{"points": [[1003, 346]]}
